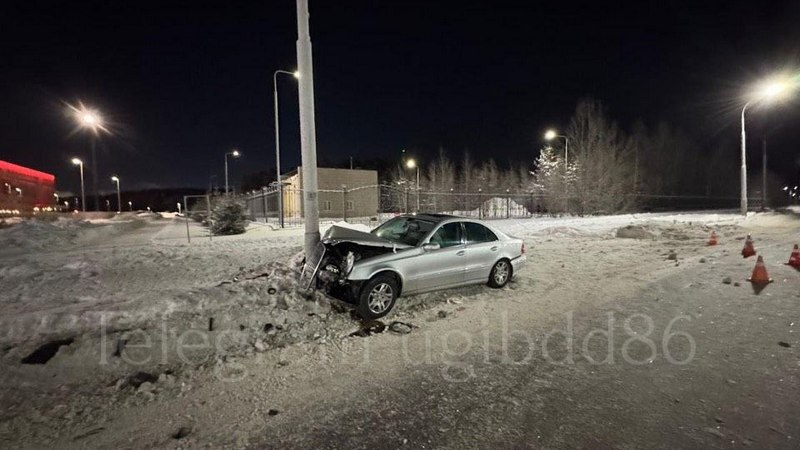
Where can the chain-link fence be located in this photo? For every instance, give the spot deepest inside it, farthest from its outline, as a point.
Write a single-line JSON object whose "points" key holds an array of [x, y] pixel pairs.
{"points": [[374, 204]]}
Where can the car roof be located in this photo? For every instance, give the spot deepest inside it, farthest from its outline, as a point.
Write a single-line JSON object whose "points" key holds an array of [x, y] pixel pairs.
{"points": [[435, 218], [439, 218]]}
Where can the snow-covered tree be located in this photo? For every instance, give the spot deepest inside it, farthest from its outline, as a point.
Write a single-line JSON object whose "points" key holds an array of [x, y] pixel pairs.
{"points": [[228, 217], [547, 180]]}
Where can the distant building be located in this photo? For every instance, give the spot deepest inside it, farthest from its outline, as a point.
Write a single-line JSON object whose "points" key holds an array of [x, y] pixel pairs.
{"points": [[24, 190], [360, 199]]}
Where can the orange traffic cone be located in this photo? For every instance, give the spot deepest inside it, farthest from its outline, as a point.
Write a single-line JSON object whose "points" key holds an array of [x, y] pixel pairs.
{"points": [[794, 259], [748, 249], [759, 275], [713, 239]]}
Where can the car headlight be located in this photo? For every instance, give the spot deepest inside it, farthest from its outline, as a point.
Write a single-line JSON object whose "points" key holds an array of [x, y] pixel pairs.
{"points": [[349, 260]]}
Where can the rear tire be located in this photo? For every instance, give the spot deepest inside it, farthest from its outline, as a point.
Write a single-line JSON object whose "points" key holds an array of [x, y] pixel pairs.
{"points": [[500, 274], [378, 296]]}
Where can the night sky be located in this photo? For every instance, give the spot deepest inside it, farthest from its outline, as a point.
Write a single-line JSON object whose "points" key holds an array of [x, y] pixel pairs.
{"points": [[184, 82]]}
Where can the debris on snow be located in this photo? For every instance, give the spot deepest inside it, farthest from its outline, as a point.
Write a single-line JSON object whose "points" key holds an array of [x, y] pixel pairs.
{"points": [[182, 432], [400, 327], [634, 232]]}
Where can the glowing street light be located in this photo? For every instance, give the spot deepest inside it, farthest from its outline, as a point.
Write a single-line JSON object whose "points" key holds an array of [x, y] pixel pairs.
{"points": [[115, 179], [296, 74], [549, 136], [767, 92], [91, 119], [412, 164], [79, 163], [235, 154]]}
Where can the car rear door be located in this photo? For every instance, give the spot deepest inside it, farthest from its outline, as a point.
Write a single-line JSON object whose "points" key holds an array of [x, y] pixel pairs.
{"points": [[444, 267], [483, 250]]}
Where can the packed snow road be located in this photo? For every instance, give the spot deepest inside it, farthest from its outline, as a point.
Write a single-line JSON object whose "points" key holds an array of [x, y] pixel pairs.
{"points": [[654, 340]]}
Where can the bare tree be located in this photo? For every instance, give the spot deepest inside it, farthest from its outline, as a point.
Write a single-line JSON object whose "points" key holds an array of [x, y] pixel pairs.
{"points": [[605, 171]]}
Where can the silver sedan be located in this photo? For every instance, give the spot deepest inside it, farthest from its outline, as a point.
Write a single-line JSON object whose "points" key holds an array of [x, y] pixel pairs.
{"points": [[411, 254]]}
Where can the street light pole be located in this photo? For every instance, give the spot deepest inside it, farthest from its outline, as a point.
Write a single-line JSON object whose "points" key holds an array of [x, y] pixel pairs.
{"points": [[79, 163], [743, 172], [91, 119], [278, 142], [95, 191], [115, 179], [550, 135], [411, 164], [418, 190], [764, 174], [235, 154], [769, 91]]}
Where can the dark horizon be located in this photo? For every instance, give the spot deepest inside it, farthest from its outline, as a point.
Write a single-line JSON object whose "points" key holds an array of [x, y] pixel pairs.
{"points": [[181, 85]]}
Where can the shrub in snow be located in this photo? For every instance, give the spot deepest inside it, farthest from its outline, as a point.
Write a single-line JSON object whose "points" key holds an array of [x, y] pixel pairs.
{"points": [[228, 217]]}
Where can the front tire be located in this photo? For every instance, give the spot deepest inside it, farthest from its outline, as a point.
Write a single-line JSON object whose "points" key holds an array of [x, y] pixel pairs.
{"points": [[378, 297], [500, 274]]}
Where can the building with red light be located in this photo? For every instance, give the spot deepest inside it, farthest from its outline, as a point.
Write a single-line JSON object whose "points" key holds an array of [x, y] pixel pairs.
{"points": [[24, 190]]}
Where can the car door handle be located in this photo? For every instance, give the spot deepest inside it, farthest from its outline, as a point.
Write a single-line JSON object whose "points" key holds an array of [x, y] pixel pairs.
{"points": [[494, 249], [460, 253]]}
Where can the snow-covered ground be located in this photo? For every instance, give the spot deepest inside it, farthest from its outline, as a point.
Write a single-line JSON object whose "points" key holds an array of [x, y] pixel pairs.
{"points": [[62, 279], [104, 301]]}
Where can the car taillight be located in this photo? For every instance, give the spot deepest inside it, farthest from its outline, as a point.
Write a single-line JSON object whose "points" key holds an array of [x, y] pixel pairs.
{"points": [[523, 248]]}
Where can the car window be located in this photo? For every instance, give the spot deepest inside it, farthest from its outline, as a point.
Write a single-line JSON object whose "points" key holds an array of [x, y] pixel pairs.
{"points": [[404, 230], [477, 233], [447, 235]]}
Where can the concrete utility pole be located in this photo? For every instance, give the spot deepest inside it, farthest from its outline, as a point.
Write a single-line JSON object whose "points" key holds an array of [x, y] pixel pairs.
{"points": [[308, 134]]}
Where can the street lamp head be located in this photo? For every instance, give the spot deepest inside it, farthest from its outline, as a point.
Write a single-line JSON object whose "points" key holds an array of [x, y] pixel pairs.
{"points": [[115, 179], [235, 153], [411, 163], [89, 119], [550, 135], [77, 162], [296, 74], [774, 88]]}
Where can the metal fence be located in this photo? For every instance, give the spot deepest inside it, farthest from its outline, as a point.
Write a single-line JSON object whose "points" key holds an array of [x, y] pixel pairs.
{"points": [[374, 204]]}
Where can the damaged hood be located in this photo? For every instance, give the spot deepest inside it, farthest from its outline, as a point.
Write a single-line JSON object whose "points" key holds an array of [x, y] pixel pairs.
{"points": [[336, 235]]}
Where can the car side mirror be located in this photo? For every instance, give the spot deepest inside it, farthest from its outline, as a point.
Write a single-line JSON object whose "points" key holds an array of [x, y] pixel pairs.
{"points": [[430, 246]]}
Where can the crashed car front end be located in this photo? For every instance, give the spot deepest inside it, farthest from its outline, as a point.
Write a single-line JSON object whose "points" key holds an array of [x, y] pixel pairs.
{"points": [[330, 266]]}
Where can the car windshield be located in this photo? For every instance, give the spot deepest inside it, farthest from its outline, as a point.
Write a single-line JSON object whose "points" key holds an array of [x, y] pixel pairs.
{"points": [[404, 230]]}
